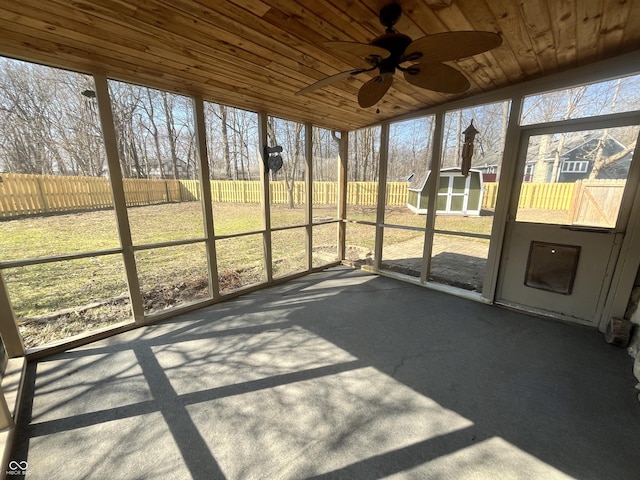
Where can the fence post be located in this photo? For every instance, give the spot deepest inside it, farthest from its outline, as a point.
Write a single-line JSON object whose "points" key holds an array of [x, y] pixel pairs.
{"points": [[573, 208], [41, 195], [87, 184]]}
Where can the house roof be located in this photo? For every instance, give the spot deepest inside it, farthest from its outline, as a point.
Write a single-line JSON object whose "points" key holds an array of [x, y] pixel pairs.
{"points": [[419, 181], [255, 54], [570, 144]]}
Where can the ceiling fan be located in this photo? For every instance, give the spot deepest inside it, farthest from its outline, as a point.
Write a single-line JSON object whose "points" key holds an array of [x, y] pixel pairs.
{"points": [[423, 59]]}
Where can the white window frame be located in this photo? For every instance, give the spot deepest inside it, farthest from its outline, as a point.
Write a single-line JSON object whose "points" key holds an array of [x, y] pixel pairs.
{"points": [[575, 166], [529, 168]]}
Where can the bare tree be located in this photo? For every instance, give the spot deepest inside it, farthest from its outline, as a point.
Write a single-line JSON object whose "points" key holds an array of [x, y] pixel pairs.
{"points": [[289, 136], [600, 159], [325, 155], [490, 120], [126, 101], [583, 101], [409, 148], [233, 142], [574, 97], [28, 110], [168, 102], [364, 154], [49, 125], [222, 110]]}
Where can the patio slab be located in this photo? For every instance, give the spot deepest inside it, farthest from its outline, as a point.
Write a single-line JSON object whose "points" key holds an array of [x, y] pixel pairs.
{"points": [[339, 374]]}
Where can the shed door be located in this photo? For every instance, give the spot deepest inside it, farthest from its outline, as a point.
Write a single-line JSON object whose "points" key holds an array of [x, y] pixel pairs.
{"points": [[453, 194], [563, 239]]}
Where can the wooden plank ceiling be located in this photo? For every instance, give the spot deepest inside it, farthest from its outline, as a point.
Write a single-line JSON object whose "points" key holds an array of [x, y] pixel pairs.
{"points": [[256, 54]]}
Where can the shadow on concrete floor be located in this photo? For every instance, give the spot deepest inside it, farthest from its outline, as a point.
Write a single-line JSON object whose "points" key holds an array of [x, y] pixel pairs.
{"points": [[339, 374]]}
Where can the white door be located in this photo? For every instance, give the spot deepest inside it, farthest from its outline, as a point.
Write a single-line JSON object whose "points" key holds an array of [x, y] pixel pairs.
{"points": [[567, 221]]}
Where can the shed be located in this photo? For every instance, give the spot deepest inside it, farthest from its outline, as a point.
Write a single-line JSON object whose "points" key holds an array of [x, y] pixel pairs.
{"points": [[457, 194]]}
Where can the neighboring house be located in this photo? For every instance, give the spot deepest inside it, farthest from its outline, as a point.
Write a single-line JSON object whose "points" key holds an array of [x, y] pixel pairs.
{"points": [[489, 164], [489, 171], [167, 168], [576, 160]]}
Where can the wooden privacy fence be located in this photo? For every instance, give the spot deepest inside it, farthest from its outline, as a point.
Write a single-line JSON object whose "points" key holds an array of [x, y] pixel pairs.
{"points": [[34, 194], [548, 196], [596, 202], [489, 195], [22, 194]]}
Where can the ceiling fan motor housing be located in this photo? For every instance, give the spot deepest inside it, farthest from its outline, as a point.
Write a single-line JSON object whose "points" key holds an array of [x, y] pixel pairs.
{"points": [[396, 43]]}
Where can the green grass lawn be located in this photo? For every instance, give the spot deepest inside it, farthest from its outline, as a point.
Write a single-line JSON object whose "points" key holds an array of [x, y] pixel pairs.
{"points": [[48, 298]]}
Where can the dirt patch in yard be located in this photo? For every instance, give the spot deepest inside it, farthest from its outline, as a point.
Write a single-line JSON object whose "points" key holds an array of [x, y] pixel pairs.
{"points": [[101, 313]]}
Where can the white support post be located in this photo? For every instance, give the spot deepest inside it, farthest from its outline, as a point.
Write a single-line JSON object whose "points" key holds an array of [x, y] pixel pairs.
{"points": [[434, 178], [382, 195], [308, 131], [205, 194], [117, 190], [264, 188]]}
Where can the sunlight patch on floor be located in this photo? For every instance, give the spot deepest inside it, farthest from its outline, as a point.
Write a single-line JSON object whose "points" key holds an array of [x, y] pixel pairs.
{"points": [[318, 425], [340, 283], [150, 451], [235, 359], [492, 459]]}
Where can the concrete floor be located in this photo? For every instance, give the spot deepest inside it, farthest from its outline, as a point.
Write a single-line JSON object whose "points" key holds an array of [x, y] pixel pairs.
{"points": [[338, 375]]}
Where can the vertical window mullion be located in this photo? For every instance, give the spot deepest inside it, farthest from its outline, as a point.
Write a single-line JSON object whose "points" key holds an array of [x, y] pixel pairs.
{"points": [[266, 207], [205, 193], [382, 193], [308, 180], [343, 154], [119, 201]]}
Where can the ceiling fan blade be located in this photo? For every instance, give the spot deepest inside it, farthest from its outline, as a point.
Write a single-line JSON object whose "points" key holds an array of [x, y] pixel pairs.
{"points": [[372, 91], [363, 50], [438, 77], [451, 46], [331, 80]]}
